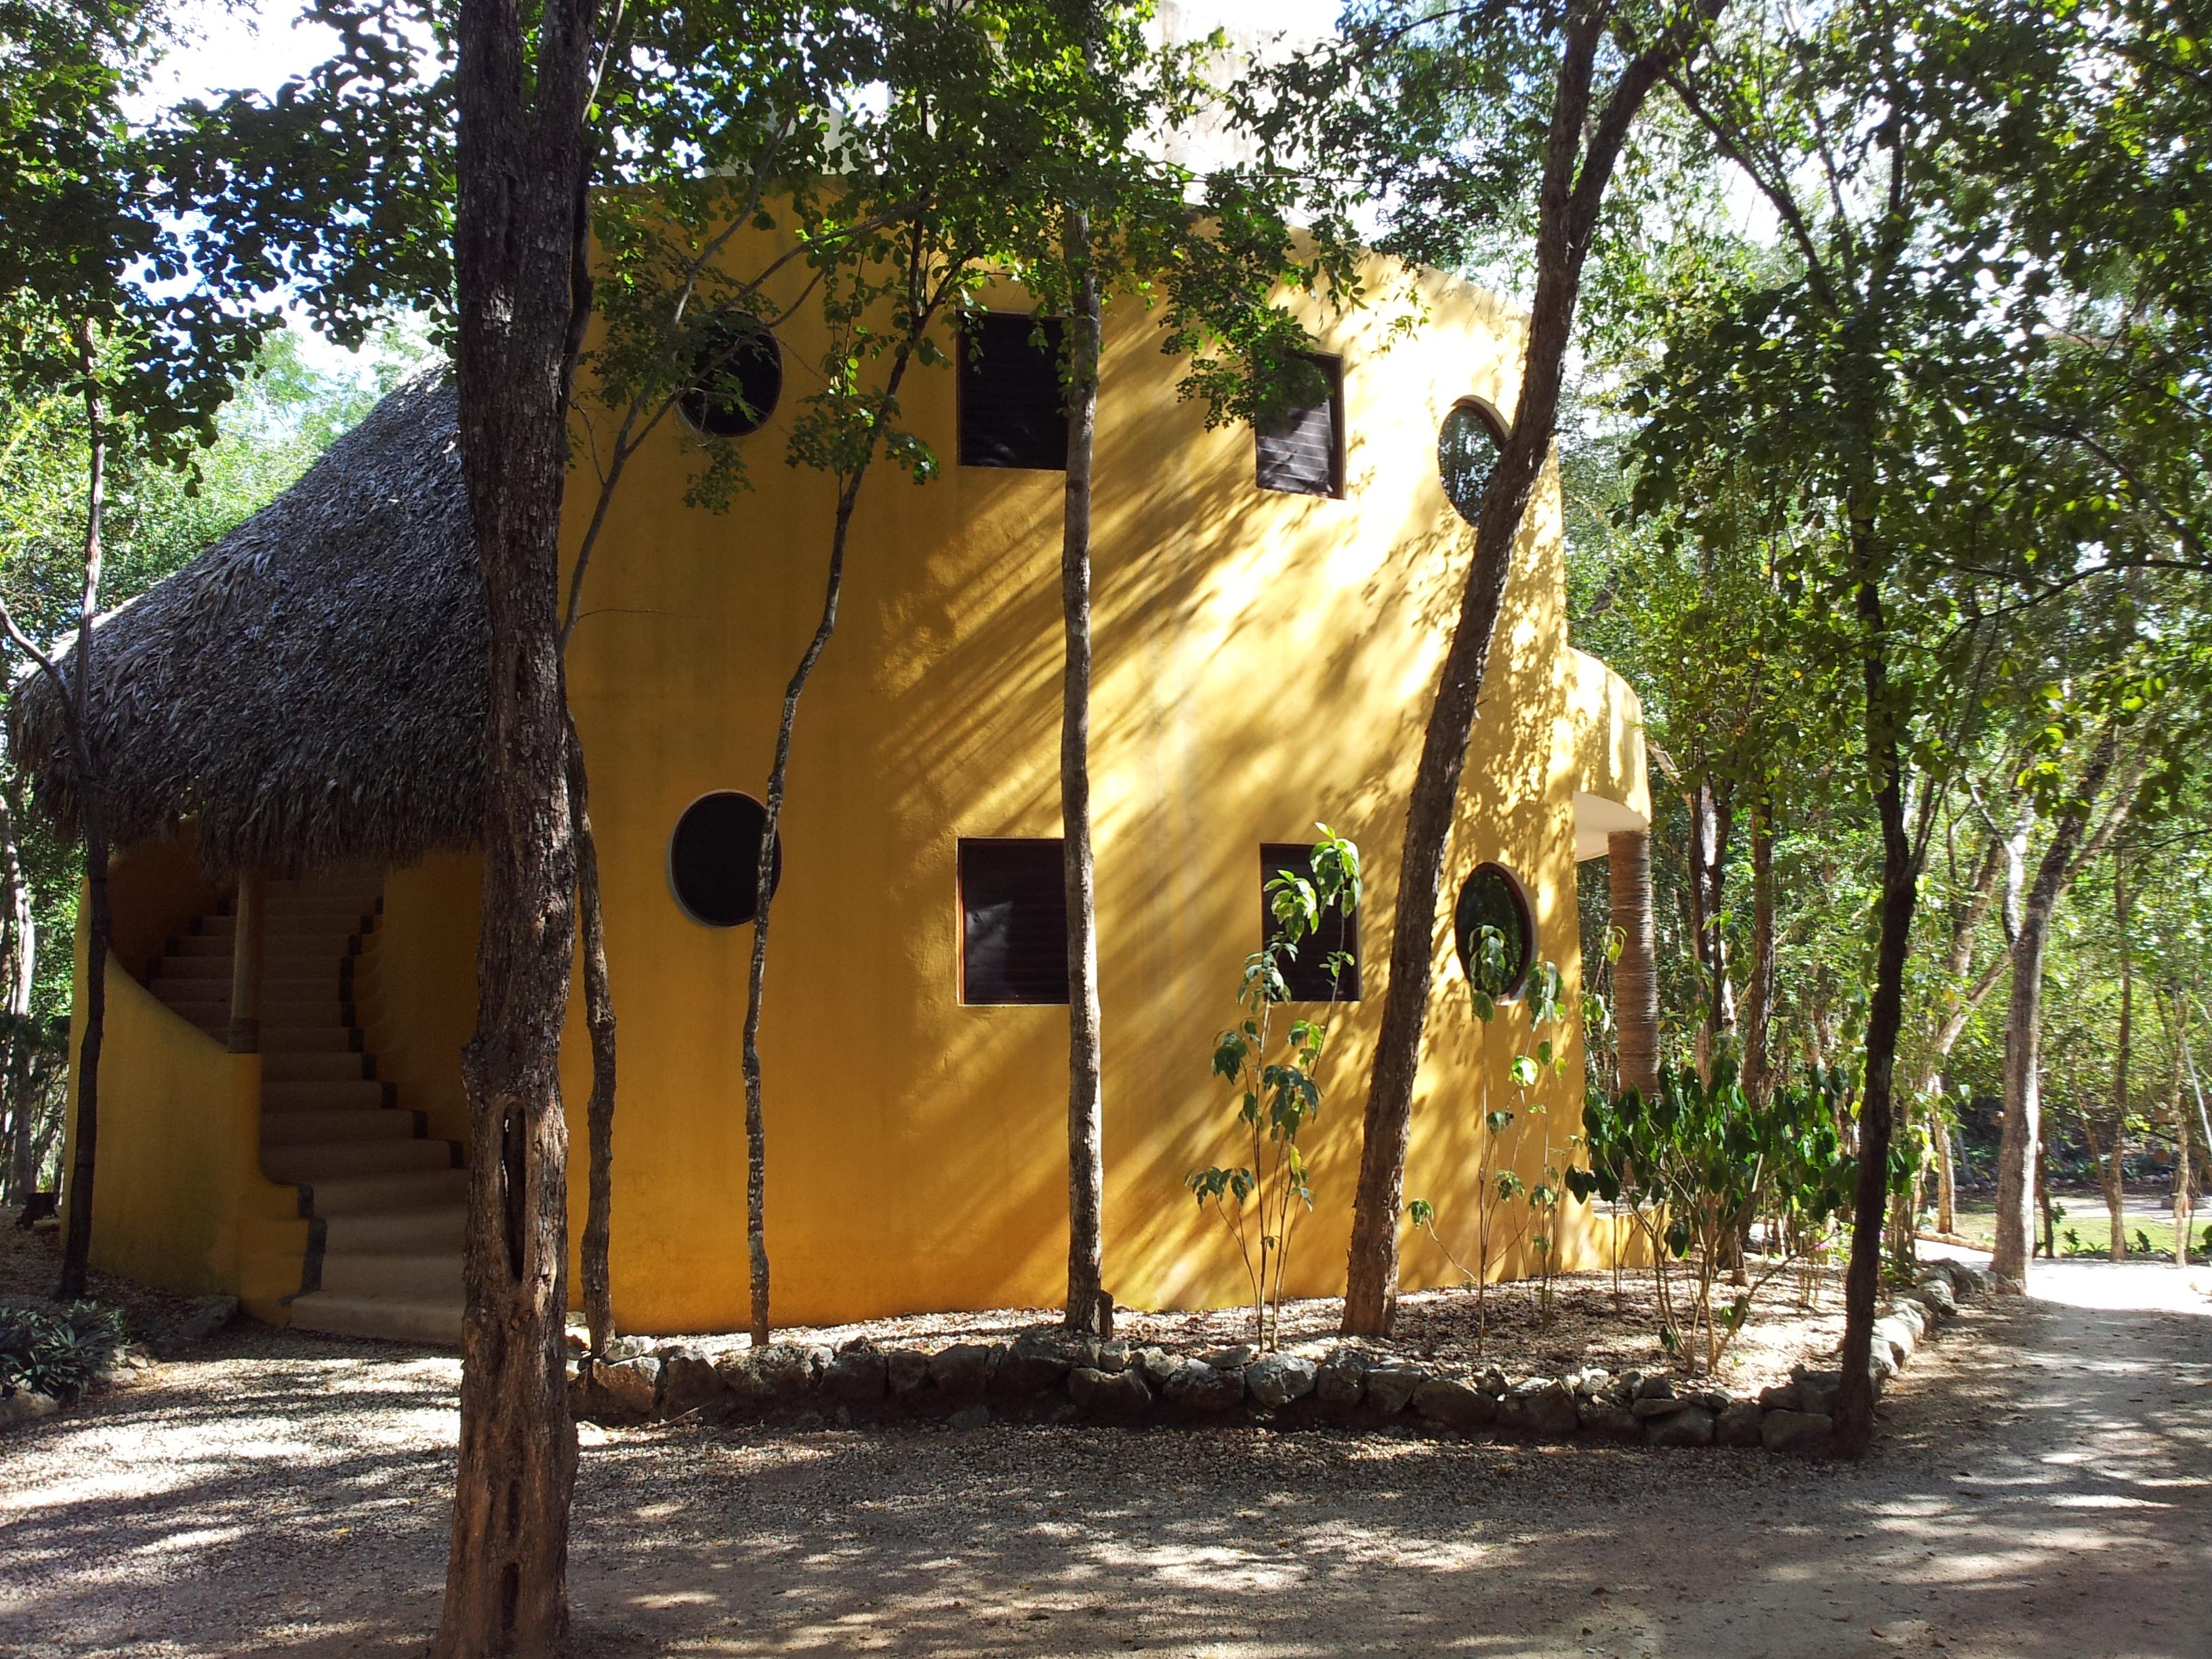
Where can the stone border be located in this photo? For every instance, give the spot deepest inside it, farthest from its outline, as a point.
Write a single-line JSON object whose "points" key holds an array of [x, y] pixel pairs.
{"points": [[1051, 1376]]}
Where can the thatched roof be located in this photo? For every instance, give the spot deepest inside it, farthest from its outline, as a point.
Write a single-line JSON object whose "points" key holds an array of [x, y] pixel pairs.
{"points": [[311, 688]]}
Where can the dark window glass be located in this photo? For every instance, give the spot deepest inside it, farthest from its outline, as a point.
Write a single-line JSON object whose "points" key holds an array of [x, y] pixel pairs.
{"points": [[1302, 450], [1305, 976], [1492, 898], [713, 858], [1013, 921], [1012, 409], [737, 379], [1466, 454]]}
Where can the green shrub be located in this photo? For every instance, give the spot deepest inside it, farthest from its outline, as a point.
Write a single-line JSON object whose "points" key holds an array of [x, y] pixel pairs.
{"points": [[58, 1351]]}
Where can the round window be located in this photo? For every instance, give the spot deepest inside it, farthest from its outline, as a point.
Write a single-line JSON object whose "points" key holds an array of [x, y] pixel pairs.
{"points": [[736, 379], [1467, 450], [713, 858], [1494, 932]]}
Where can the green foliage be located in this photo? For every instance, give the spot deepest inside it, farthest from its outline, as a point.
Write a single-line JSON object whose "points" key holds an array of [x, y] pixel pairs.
{"points": [[59, 1351], [1277, 1090]]}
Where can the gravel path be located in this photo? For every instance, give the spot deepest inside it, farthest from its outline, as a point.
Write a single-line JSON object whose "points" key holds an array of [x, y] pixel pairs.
{"points": [[2043, 1487]]}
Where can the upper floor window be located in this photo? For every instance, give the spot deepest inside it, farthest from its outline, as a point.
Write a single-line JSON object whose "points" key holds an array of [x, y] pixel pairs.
{"points": [[1467, 454], [1495, 931], [737, 380], [1301, 451], [1306, 975], [1013, 921], [713, 858], [1013, 410]]}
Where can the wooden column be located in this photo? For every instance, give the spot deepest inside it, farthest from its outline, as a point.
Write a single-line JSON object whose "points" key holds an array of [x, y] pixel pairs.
{"points": [[246, 966], [1635, 976]]}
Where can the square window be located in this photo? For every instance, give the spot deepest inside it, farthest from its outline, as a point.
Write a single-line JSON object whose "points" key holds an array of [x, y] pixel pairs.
{"points": [[1013, 921], [1305, 976], [1301, 452], [1013, 410]]}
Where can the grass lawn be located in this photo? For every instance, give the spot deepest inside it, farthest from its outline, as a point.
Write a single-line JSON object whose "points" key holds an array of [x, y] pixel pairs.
{"points": [[2087, 1218]]}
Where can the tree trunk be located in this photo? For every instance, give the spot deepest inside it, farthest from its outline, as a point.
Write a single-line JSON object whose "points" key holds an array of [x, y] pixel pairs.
{"points": [[2184, 1196], [22, 976], [1759, 994], [2019, 1147], [2111, 1167], [1946, 1187], [522, 176], [1570, 198], [2043, 1199], [600, 1020], [1854, 1408], [1712, 820], [1085, 1143], [1636, 974], [76, 1245]]}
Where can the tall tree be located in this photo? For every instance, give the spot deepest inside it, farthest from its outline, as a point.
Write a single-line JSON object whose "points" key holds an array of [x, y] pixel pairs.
{"points": [[524, 86]]}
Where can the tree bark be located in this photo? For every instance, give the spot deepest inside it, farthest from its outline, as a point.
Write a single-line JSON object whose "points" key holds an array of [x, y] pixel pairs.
{"points": [[76, 1238], [2183, 1192], [22, 977], [2019, 1147], [2112, 1168], [1086, 1167], [1758, 991], [1571, 196], [523, 171], [599, 1021], [1636, 974], [1854, 1407], [1711, 822]]}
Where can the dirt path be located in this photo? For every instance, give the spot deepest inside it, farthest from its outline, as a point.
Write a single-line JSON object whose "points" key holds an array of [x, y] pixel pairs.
{"points": [[2044, 1487]]}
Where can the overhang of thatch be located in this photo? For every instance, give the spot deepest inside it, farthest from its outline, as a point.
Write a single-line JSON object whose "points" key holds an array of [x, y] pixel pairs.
{"points": [[311, 689]]}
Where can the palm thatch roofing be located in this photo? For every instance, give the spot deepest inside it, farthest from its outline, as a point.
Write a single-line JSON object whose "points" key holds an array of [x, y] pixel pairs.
{"points": [[311, 689]]}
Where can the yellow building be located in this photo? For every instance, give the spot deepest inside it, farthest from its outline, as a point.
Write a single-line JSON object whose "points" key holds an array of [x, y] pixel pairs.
{"points": [[302, 704]]}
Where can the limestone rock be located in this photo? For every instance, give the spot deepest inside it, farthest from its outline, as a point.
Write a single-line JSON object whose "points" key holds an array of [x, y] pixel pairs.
{"points": [[1779, 1397], [1899, 1336], [26, 1406], [1199, 1387], [1603, 1420], [1036, 1361], [1690, 1426], [1806, 1434], [1540, 1406], [1234, 1357], [1115, 1357], [1109, 1394], [1389, 1386], [627, 1390], [1738, 1425], [203, 1317], [688, 1383], [1456, 1402], [1654, 1387], [970, 1417], [740, 1376], [1279, 1379], [905, 1370], [789, 1372], [620, 1348], [1650, 1411], [1934, 1292], [1341, 1380], [963, 1370], [1157, 1364], [1816, 1390], [854, 1374]]}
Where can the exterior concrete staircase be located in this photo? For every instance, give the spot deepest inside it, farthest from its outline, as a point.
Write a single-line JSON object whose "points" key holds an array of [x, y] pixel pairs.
{"points": [[386, 1203]]}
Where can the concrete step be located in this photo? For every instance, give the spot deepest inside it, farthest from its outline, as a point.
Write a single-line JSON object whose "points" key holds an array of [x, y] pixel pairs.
{"points": [[312, 1164], [315, 1008], [390, 1195], [355, 1094], [330, 1128], [201, 945], [193, 996], [436, 1323], [215, 926], [397, 1232], [324, 1066], [428, 1276], [308, 1037], [194, 970]]}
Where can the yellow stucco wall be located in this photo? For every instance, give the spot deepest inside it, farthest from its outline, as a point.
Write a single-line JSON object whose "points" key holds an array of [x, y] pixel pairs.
{"points": [[178, 1198], [414, 986]]}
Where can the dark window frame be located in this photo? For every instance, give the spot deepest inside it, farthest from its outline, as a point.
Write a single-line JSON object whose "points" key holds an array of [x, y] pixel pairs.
{"points": [[1332, 365], [1016, 997], [676, 886], [1304, 977], [1493, 425], [700, 411], [968, 370], [1518, 893]]}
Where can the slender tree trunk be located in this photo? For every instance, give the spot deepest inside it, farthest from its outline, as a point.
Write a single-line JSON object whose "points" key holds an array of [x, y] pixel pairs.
{"points": [[2112, 1166], [2043, 1199], [1086, 1167], [2183, 1192], [21, 970], [1759, 992], [1636, 974], [599, 1021], [76, 1246], [1570, 198], [1712, 821], [523, 171], [1854, 1408], [2020, 1145], [848, 498]]}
